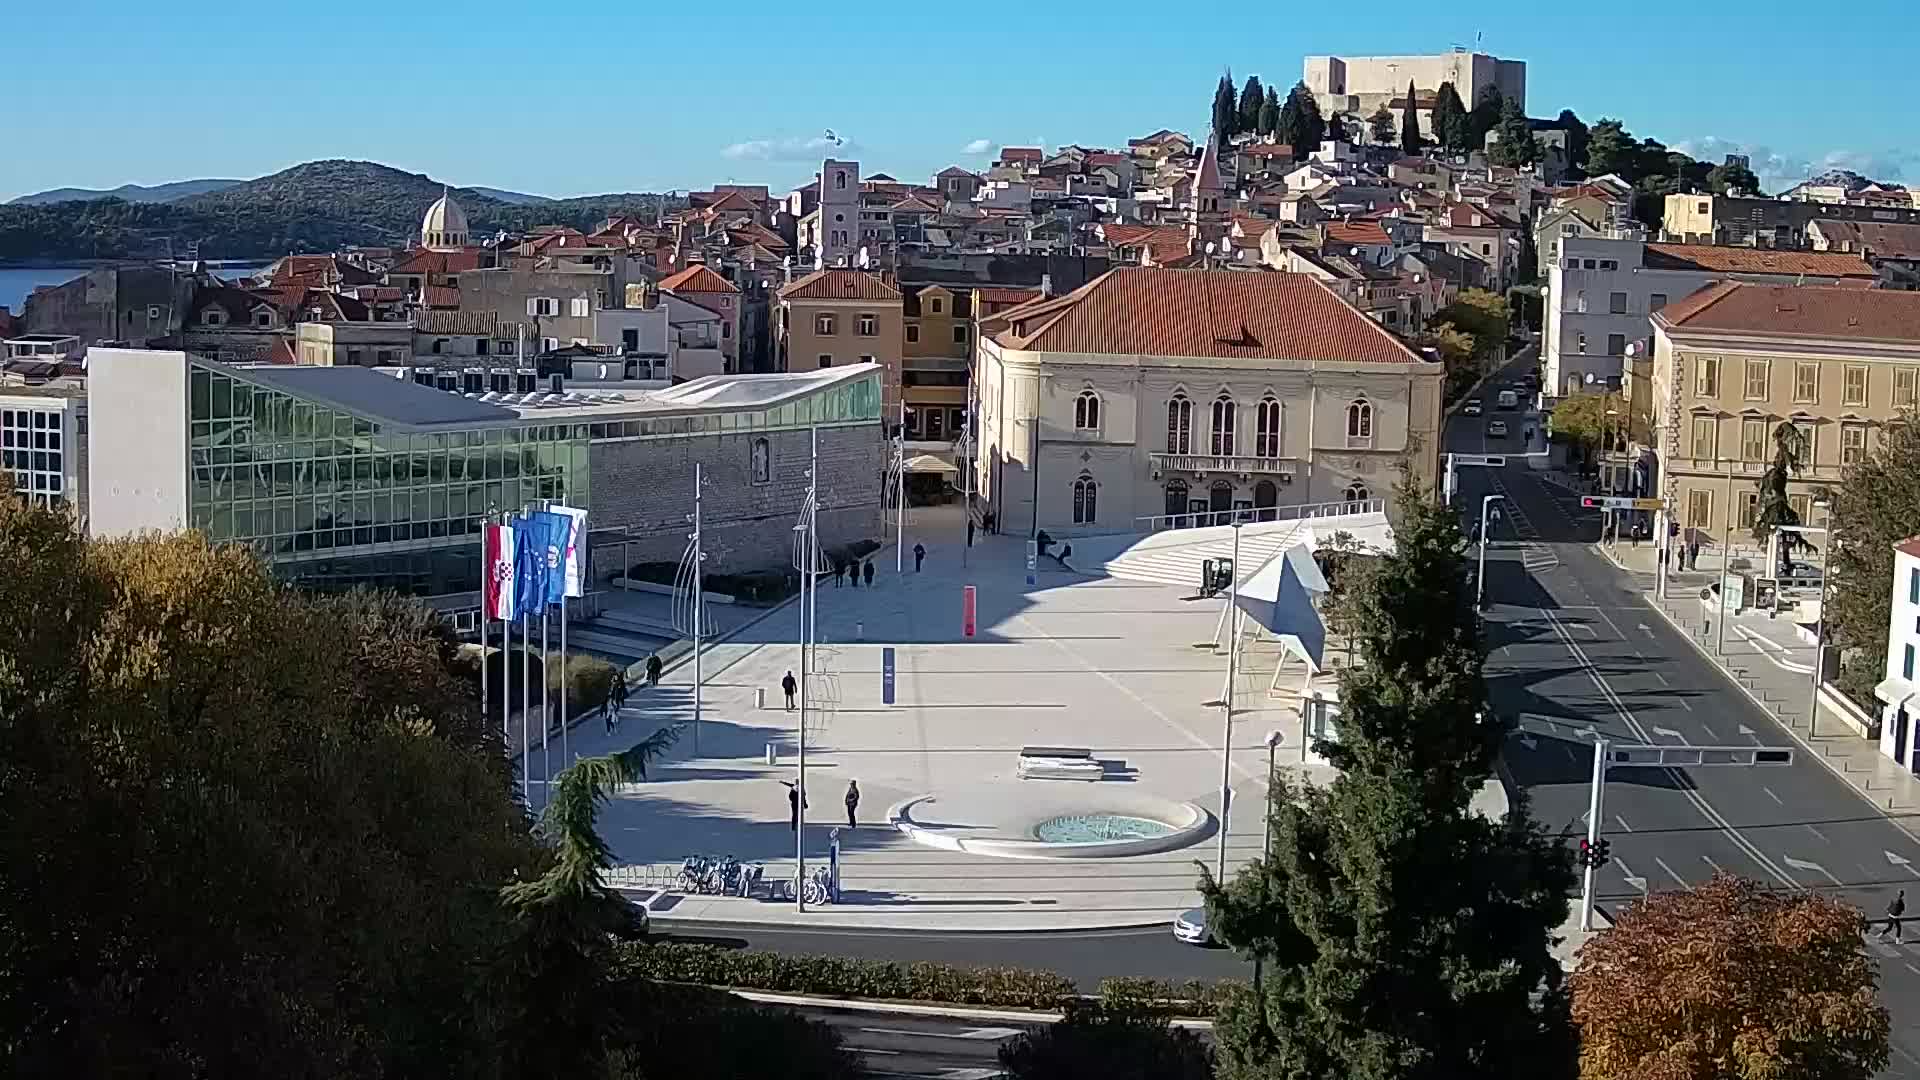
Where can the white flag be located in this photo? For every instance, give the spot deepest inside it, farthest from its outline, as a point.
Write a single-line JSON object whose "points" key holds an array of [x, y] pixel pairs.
{"points": [[575, 557]]}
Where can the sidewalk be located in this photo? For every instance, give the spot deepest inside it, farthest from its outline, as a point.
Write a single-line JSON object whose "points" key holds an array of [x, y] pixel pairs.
{"points": [[1771, 661]]}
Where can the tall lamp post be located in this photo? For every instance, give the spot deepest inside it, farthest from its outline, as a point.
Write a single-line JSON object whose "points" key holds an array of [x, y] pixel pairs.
{"points": [[1820, 628], [1480, 577], [1226, 704]]}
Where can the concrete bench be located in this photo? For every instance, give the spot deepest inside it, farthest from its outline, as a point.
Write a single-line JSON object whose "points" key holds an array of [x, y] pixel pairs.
{"points": [[1059, 763]]}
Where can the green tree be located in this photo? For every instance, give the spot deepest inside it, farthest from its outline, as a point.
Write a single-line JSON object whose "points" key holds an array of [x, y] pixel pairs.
{"points": [[1457, 352], [1516, 147], [1380, 127], [1270, 113], [1450, 119], [1337, 128], [1309, 128], [1610, 149], [1400, 933], [1410, 141], [1252, 96], [1286, 125], [1875, 506], [1113, 1042], [1725, 178], [1775, 509], [1576, 142], [674, 1031], [1481, 313], [1226, 110], [1484, 117], [1589, 418], [1731, 980]]}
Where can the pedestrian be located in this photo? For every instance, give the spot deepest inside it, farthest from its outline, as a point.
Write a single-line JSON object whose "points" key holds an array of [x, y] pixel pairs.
{"points": [[793, 806], [969, 532], [1693, 553], [1895, 908], [869, 573], [791, 688], [853, 573], [853, 800], [919, 556], [653, 669], [839, 572]]}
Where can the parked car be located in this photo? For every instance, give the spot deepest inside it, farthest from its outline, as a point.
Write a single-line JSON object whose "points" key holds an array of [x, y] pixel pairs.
{"points": [[1496, 429], [1509, 399], [1472, 407], [1191, 927]]}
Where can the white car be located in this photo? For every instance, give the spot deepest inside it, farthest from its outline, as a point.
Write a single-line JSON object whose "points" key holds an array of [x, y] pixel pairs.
{"points": [[1471, 408], [1496, 429], [1191, 927]]}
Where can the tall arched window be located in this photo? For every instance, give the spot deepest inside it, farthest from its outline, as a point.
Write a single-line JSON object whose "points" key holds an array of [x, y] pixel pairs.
{"points": [[1085, 492], [1360, 422], [1086, 411], [1176, 498], [1179, 425], [1357, 492], [1223, 410], [1266, 428]]}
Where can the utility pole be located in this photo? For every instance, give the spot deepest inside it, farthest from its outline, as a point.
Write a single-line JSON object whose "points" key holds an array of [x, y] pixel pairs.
{"points": [[1226, 706], [1595, 801], [900, 493]]}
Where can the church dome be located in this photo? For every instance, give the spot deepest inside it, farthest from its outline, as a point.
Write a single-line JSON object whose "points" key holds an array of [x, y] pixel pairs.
{"points": [[445, 225]]}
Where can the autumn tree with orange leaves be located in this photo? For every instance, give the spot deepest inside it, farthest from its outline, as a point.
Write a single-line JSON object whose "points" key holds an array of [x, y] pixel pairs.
{"points": [[1730, 981]]}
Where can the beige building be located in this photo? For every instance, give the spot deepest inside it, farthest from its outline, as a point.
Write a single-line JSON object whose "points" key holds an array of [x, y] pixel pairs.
{"points": [[699, 284], [1153, 398], [832, 318], [1735, 360]]}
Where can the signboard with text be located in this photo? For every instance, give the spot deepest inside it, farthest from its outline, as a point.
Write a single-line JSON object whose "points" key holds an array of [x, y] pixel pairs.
{"points": [[1615, 502], [886, 675]]}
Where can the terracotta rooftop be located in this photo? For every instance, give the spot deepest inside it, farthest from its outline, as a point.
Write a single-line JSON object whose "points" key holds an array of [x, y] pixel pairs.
{"points": [[1201, 313], [1357, 232], [1004, 294], [698, 278], [1020, 153], [1883, 239], [437, 262], [1909, 546], [1723, 259], [1802, 311], [840, 285], [1265, 150]]}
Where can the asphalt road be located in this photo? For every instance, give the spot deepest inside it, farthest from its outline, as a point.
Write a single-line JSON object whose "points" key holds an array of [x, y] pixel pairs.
{"points": [[937, 1048], [1574, 647]]}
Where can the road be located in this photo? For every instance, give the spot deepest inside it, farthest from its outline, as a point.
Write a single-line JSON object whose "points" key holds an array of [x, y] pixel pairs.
{"points": [[933, 1047], [1576, 653]]}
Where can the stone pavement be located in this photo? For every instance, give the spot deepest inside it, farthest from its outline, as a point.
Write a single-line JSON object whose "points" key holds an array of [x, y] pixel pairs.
{"points": [[1771, 661]]}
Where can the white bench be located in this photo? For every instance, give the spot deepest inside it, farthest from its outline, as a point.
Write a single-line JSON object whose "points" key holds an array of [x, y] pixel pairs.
{"points": [[1059, 763]]}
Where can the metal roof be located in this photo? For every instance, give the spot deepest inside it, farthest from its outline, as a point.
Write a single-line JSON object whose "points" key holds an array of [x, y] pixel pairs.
{"points": [[374, 395]]}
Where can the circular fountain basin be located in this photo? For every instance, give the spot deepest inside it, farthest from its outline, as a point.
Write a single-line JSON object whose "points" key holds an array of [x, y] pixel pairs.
{"points": [[1015, 822]]}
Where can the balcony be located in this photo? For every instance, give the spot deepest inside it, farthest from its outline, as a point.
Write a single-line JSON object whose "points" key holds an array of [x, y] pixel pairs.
{"points": [[1236, 464]]}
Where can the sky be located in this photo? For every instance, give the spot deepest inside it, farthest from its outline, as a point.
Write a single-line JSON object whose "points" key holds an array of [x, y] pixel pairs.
{"points": [[586, 97]]}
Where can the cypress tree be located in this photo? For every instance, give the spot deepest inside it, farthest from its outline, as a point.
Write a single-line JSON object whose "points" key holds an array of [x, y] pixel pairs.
{"points": [[1309, 126], [1449, 118], [1248, 113], [1226, 114], [1410, 125]]}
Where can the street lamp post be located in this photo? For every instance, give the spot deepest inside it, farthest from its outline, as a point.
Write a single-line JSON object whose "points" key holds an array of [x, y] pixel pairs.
{"points": [[1226, 704], [1480, 578], [1820, 628]]}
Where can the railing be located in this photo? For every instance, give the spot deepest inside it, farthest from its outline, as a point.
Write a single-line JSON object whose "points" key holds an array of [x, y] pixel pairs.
{"points": [[1227, 463], [1250, 515]]}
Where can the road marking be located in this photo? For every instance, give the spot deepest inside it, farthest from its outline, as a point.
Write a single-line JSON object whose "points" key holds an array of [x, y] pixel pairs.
{"points": [[875, 1050], [1633, 723], [1902, 862], [1771, 795], [1632, 881], [1683, 704], [1810, 867], [1710, 734], [1709, 861], [994, 1033], [1623, 822], [1662, 678], [1669, 733], [1748, 732], [1661, 863], [1910, 967], [1818, 833]]}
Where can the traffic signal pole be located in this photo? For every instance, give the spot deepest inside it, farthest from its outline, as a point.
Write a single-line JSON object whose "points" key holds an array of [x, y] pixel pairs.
{"points": [[1596, 802]]}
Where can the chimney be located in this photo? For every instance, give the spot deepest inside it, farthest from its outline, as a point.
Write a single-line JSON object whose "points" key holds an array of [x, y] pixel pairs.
{"points": [[1046, 285]]}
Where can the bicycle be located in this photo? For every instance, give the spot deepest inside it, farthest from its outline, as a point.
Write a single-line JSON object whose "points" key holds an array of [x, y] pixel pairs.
{"points": [[818, 887]]}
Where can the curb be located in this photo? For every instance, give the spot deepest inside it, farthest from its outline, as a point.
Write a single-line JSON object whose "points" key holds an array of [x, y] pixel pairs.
{"points": [[1897, 821], [685, 923], [898, 1008]]}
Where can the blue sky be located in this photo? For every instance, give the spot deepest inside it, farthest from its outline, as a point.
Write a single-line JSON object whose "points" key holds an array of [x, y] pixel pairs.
{"points": [[586, 97]]}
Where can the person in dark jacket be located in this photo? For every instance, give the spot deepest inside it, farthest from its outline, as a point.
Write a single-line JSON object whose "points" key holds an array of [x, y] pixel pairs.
{"points": [[852, 800], [653, 670], [919, 556], [787, 684], [1895, 909], [868, 571]]}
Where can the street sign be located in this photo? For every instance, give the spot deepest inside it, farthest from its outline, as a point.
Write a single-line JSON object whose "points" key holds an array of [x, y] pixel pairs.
{"points": [[886, 675], [1033, 559], [966, 611], [1614, 502]]}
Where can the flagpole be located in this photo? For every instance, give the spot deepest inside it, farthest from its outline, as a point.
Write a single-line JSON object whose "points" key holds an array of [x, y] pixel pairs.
{"points": [[546, 714], [807, 600], [698, 557], [565, 761], [486, 572], [526, 704]]}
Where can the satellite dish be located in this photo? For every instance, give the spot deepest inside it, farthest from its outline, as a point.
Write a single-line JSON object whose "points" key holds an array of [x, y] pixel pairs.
{"points": [[1209, 247], [1590, 378]]}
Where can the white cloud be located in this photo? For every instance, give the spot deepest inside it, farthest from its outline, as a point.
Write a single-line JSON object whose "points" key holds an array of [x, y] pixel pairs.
{"points": [[977, 146], [788, 149], [1778, 171]]}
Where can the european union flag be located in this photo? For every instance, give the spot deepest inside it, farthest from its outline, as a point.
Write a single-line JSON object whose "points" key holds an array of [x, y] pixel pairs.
{"points": [[530, 565]]}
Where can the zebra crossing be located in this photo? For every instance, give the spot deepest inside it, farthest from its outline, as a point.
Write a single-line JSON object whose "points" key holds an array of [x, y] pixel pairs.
{"points": [[1535, 557]]}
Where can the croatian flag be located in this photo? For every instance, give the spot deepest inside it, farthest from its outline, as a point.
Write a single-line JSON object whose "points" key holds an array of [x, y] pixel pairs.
{"points": [[498, 558]]}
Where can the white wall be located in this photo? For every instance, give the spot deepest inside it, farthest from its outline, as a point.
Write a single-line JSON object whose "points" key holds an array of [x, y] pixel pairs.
{"points": [[1902, 633], [136, 440]]}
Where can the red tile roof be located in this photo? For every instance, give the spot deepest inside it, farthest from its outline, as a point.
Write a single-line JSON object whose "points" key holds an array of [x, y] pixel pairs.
{"points": [[1909, 546], [1207, 176], [437, 262], [1723, 259], [1002, 294], [841, 285], [1020, 153], [1265, 150], [1881, 239], [1201, 313], [1357, 232], [1800, 311], [440, 296], [697, 278]]}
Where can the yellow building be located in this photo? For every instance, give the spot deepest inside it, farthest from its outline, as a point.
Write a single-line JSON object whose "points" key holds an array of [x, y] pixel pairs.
{"points": [[1733, 361], [832, 318]]}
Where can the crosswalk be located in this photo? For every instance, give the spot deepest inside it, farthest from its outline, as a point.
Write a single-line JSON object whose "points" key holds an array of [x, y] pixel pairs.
{"points": [[1535, 557]]}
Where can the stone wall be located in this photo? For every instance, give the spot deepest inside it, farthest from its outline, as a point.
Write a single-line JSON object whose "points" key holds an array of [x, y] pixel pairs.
{"points": [[647, 485]]}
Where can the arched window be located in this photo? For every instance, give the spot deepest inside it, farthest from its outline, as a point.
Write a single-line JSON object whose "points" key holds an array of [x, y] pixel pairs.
{"points": [[1179, 425], [1086, 411], [1357, 492], [1176, 498], [761, 457], [840, 180], [1360, 422], [1085, 491], [1223, 410], [1266, 428]]}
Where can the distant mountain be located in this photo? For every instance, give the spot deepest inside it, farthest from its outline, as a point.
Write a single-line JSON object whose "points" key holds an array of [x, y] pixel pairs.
{"points": [[514, 198], [159, 193], [315, 207]]}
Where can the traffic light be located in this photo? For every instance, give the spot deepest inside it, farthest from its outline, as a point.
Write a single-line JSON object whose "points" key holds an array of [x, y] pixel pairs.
{"points": [[1585, 856], [1600, 854], [1595, 854]]}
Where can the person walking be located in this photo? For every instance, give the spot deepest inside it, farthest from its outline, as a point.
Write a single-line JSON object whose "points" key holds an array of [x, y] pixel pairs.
{"points": [[919, 556], [1895, 908], [869, 573], [839, 572], [1693, 553], [794, 801], [653, 669], [969, 530], [852, 800], [787, 684]]}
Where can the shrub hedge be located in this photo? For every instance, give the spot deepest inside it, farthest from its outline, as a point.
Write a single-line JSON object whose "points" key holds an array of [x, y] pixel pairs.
{"points": [[753, 587], [589, 681], [950, 984]]}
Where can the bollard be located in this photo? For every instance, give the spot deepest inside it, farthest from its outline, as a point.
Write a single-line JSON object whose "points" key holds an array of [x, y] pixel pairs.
{"points": [[759, 697], [859, 631], [770, 760]]}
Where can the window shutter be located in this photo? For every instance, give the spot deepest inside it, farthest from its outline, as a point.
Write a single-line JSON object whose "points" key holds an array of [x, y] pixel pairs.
{"points": [[533, 305]]}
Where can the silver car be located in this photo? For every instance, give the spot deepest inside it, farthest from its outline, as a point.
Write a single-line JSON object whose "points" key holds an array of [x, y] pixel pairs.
{"points": [[1191, 927]]}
